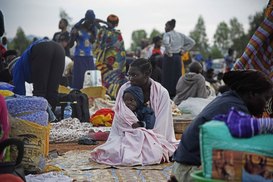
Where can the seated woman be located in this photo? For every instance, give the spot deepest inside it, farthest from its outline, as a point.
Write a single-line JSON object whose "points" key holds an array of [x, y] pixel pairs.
{"points": [[139, 146], [249, 91]]}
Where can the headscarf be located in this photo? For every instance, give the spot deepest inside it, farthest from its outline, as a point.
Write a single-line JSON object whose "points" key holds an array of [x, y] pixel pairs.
{"points": [[171, 23], [243, 81], [137, 93], [113, 19], [90, 15]]}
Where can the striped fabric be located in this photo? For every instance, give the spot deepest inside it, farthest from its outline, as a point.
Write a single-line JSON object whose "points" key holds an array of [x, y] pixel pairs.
{"points": [[258, 53]]}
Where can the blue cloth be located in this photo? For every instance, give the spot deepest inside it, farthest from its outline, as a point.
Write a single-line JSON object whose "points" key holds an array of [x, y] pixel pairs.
{"points": [[90, 15], [30, 108], [81, 65], [143, 112], [84, 46], [22, 70], [188, 151]]}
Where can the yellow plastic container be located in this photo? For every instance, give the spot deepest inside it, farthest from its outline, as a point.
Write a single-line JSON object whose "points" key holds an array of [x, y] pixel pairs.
{"points": [[95, 92]]}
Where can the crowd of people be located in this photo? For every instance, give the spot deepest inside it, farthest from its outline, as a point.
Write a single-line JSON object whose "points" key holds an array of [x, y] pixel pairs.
{"points": [[142, 132]]}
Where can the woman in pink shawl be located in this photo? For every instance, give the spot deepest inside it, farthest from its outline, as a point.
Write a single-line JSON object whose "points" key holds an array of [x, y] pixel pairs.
{"points": [[127, 146]]}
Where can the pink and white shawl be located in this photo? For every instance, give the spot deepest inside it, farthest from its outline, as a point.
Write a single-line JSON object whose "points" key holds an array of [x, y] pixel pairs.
{"points": [[127, 146]]}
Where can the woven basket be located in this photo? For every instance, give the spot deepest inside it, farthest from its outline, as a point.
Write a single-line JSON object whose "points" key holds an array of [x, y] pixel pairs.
{"points": [[180, 125]]}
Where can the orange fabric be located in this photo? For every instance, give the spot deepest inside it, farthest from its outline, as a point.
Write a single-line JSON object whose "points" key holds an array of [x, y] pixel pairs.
{"points": [[103, 117]]}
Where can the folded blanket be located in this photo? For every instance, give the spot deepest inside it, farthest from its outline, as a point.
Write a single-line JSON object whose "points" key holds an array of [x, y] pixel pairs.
{"points": [[20, 104]]}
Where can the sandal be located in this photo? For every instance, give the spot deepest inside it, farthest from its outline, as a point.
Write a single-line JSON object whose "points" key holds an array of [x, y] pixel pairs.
{"points": [[87, 141]]}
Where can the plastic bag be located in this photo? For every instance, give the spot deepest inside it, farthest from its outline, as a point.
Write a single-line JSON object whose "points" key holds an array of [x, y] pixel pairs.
{"points": [[194, 105]]}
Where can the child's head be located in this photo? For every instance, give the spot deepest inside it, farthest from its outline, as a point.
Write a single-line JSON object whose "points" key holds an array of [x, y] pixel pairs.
{"points": [[133, 97]]}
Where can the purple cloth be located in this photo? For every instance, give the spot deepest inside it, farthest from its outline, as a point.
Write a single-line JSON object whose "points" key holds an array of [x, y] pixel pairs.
{"points": [[240, 125]]}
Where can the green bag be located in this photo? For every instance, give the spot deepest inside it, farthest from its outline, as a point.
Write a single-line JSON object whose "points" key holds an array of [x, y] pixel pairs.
{"points": [[215, 135]]}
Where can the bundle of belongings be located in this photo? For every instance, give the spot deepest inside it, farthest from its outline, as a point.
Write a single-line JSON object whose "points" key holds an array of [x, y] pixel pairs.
{"points": [[29, 117]]}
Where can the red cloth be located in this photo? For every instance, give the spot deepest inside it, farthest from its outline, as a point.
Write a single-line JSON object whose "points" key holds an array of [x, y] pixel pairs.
{"points": [[156, 51], [10, 178], [99, 136]]}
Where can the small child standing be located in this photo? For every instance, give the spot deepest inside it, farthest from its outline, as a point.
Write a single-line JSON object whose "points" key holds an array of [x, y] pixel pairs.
{"points": [[134, 99]]}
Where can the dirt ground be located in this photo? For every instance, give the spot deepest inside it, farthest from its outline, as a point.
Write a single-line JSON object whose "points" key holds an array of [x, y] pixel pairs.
{"points": [[65, 147]]}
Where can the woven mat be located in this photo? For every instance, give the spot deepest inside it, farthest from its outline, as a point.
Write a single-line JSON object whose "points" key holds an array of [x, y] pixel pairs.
{"points": [[76, 165]]}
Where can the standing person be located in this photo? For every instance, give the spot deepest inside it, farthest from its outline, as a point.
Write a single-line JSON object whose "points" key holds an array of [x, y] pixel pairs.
{"points": [[156, 48], [193, 84], [229, 60], [134, 99], [155, 53], [128, 146], [2, 24], [249, 91], [63, 36], [111, 56], [175, 44], [84, 34], [42, 64]]}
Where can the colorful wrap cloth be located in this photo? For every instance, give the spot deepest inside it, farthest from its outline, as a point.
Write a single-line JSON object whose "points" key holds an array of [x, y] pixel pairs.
{"points": [[110, 59], [30, 108], [127, 146], [258, 53]]}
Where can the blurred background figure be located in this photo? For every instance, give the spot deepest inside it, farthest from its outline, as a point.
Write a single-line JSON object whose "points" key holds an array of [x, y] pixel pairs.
{"points": [[84, 34], [175, 44], [193, 84], [229, 60], [62, 37], [111, 56]]}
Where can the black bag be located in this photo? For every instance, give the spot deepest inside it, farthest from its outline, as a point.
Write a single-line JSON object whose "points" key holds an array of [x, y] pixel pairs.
{"points": [[14, 168], [79, 103]]}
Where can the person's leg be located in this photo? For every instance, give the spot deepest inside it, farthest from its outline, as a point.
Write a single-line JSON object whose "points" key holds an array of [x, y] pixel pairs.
{"points": [[176, 72], [166, 71], [171, 72], [183, 172], [55, 74]]}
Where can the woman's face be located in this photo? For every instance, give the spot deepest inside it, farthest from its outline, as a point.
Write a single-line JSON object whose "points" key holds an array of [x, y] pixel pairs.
{"points": [[136, 77], [130, 101], [257, 102], [167, 27], [158, 43]]}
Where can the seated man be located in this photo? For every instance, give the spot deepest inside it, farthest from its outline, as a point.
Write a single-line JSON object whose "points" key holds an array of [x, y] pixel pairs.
{"points": [[191, 85]]}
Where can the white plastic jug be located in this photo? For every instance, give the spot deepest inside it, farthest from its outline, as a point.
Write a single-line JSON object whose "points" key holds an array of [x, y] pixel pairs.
{"points": [[92, 78]]}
